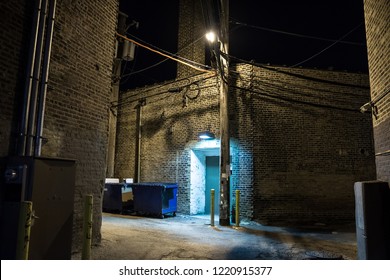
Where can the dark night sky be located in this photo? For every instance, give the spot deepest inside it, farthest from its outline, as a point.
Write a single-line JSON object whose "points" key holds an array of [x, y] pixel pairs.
{"points": [[329, 19]]}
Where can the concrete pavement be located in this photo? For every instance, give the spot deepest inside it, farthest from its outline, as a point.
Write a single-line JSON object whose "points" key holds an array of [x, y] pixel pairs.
{"points": [[126, 237]]}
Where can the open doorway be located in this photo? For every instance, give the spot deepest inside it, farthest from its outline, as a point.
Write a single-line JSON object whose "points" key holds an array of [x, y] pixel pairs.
{"points": [[204, 177]]}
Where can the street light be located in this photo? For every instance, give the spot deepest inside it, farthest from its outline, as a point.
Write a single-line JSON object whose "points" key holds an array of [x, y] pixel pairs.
{"points": [[211, 37]]}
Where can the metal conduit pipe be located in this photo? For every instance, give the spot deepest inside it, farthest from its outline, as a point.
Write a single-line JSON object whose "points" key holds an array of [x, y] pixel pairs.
{"points": [[139, 137], [45, 76], [21, 144], [35, 81]]}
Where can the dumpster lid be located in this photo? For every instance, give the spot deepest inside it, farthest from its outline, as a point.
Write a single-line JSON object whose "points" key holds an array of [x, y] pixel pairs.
{"points": [[155, 184]]}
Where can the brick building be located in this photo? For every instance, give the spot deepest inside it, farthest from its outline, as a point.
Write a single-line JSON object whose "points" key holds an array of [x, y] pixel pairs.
{"points": [[298, 140], [377, 15], [79, 87]]}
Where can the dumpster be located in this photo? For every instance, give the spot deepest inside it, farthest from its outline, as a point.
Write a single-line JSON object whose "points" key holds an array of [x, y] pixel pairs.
{"points": [[117, 197], [155, 199], [112, 198]]}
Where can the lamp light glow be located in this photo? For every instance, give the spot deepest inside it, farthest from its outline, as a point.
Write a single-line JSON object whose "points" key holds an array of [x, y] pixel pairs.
{"points": [[211, 37]]}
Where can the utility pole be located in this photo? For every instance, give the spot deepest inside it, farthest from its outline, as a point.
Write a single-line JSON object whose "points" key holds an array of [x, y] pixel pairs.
{"points": [[116, 78], [125, 51], [224, 207]]}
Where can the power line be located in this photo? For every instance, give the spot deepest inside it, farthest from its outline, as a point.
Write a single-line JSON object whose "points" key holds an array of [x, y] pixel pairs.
{"points": [[301, 76], [265, 94], [166, 55], [296, 34], [328, 47], [144, 69], [170, 53], [266, 86], [128, 99], [162, 61]]}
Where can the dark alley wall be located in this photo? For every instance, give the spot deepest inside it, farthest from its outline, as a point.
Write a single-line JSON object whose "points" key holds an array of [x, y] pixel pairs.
{"points": [[15, 20], [76, 116], [377, 15], [298, 140]]}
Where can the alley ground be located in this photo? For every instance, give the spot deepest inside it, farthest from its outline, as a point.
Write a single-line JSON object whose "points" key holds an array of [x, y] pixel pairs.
{"points": [[126, 237]]}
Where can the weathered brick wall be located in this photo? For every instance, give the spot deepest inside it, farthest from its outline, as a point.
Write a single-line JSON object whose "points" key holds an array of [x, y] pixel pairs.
{"points": [[76, 116], [377, 17], [298, 140], [310, 142], [170, 124], [15, 17]]}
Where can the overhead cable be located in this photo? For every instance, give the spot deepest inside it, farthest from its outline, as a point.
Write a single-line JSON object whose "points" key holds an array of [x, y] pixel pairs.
{"points": [[297, 75], [165, 55], [328, 47], [296, 34]]}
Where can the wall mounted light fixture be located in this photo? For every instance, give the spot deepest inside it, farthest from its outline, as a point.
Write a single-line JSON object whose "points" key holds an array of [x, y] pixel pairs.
{"points": [[206, 135]]}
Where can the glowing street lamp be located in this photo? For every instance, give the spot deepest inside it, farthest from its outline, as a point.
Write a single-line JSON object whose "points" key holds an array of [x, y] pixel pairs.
{"points": [[211, 37]]}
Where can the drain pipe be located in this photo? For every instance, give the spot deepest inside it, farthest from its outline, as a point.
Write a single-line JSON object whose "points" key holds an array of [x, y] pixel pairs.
{"points": [[45, 75], [35, 82], [140, 104], [21, 144]]}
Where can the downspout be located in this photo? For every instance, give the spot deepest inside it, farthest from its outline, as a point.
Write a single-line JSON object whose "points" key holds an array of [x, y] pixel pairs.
{"points": [[21, 145], [35, 82], [141, 103], [45, 75]]}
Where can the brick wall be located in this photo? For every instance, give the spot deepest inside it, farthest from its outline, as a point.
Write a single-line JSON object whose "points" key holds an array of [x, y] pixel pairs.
{"points": [[76, 116], [170, 123], [310, 142], [298, 140], [15, 17], [377, 15]]}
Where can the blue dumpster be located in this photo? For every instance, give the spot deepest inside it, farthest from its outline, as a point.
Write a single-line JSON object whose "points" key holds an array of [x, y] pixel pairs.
{"points": [[112, 197], [155, 199]]}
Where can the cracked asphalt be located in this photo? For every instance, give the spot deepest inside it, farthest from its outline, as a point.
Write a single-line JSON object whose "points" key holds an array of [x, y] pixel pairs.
{"points": [[126, 237]]}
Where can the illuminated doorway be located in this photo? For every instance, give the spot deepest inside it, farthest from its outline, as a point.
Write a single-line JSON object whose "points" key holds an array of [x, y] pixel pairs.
{"points": [[212, 182], [204, 177]]}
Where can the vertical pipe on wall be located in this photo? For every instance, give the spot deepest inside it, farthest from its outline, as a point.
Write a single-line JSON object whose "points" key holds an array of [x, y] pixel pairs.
{"points": [[45, 75], [141, 103], [35, 81], [21, 149]]}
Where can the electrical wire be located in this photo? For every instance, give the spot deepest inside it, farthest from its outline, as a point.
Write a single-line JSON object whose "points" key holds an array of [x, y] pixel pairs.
{"points": [[295, 34], [328, 47], [165, 55], [144, 69], [170, 53], [304, 77], [296, 101], [160, 62], [267, 86], [129, 99], [283, 85]]}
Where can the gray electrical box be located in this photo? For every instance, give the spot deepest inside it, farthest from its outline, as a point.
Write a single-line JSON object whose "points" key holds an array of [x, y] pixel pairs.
{"points": [[49, 183], [372, 212]]}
